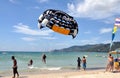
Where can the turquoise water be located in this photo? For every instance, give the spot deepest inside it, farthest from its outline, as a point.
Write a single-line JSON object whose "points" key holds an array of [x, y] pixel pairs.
{"points": [[55, 60]]}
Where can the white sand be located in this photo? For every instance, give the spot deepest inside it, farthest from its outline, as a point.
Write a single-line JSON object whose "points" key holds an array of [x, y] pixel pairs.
{"points": [[75, 74]]}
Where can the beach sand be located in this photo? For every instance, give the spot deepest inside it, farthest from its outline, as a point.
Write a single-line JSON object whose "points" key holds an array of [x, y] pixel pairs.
{"points": [[97, 73]]}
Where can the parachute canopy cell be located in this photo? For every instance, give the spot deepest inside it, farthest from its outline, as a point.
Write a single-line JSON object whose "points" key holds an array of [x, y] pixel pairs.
{"points": [[58, 21]]}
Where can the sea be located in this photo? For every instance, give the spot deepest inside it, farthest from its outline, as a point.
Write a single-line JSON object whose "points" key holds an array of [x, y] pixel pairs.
{"points": [[54, 60]]}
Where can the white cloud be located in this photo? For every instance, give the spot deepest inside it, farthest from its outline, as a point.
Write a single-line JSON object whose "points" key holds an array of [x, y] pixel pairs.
{"points": [[28, 39], [87, 32], [107, 41], [36, 7], [33, 8], [90, 41], [38, 34], [24, 29], [49, 38], [105, 30], [95, 9], [13, 1], [109, 20], [42, 1]]}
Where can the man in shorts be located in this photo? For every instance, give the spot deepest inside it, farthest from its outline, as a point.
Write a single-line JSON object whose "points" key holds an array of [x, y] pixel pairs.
{"points": [[14, 67], [110, 63]]}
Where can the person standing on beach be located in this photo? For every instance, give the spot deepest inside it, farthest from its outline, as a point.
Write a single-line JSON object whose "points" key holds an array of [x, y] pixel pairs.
{"points": [[78, 63], [110, 63], [14, 67], [44, 58], [84, 62]]}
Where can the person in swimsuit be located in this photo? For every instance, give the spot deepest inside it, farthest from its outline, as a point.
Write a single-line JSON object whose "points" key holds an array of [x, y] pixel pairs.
{"points": [[84, 62], [110, 63], [78, 63], [30, 62], [44, 58], [14, 67]]}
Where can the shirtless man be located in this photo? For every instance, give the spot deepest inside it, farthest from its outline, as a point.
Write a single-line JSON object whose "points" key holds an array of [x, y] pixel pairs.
{"points": [[84, 62], [14, 67], [110, 63]]}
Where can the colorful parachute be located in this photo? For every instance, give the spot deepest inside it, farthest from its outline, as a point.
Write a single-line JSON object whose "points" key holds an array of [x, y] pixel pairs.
{"points": [[116, 25], [58, 21]]}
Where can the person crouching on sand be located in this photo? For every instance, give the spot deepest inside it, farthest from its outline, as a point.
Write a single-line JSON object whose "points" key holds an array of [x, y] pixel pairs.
{"points": [[14, 67]]}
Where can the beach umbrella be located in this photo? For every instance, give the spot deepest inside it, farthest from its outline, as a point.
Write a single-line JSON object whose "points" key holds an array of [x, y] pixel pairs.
{"points": [[114, 52]]}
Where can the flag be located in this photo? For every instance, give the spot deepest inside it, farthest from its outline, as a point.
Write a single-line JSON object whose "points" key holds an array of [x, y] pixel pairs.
{"points": [[116, 25], [117, 22], [114, 29], [113, 36]]}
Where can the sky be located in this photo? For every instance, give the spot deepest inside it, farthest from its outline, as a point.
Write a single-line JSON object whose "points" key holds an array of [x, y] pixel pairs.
{"points": [[19, 18]]}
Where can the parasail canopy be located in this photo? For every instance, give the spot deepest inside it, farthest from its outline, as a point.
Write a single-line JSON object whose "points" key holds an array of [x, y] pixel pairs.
{"points": [[58, 21]]}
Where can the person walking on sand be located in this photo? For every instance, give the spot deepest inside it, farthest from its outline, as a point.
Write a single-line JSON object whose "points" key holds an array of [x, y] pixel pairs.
{"points": [[44, 58], [110, 63], [14, 67], [84, 62], [78, 63]]}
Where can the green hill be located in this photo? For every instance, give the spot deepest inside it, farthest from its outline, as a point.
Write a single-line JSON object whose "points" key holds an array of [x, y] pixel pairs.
{"points": [[90, 48]]}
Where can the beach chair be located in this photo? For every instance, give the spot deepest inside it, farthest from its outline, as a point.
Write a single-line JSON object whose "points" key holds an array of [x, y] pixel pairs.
{"points": [[116, 65]]}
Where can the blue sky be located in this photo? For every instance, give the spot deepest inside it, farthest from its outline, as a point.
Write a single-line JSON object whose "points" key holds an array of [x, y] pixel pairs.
{"points": [[19, 30]]}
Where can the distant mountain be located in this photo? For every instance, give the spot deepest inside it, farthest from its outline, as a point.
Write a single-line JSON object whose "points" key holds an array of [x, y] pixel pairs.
{"points": [[90, 48]]}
